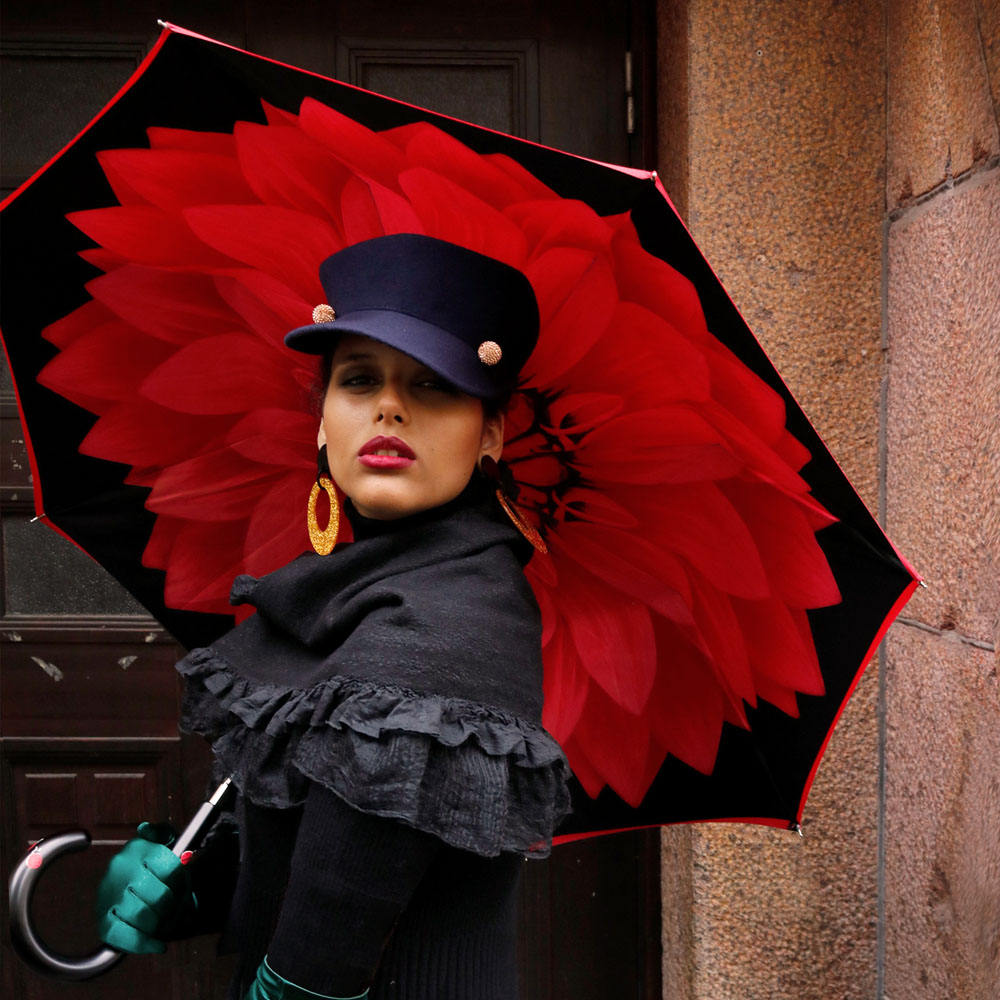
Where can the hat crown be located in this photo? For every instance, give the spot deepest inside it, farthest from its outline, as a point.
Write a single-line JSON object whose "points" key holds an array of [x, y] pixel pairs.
{"points": [[434, 300], [430, 279]]}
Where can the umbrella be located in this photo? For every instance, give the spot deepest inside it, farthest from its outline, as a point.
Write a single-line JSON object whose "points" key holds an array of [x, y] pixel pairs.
{"points": [[713, 587]]}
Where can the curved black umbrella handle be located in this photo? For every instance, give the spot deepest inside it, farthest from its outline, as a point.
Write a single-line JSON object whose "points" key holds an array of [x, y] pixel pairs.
{"points": [[29, 946]]}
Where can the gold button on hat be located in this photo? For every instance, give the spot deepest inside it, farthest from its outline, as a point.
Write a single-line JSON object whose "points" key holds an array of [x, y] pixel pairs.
{"points": [[489, 352], [324, 313]]}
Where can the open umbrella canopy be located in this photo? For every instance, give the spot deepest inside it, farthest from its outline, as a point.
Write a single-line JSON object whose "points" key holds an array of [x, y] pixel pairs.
{"points": [[713, 585]]}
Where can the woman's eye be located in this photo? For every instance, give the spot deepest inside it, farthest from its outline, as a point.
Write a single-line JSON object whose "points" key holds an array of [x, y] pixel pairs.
{"points": [[438, 385], [356, 379]]}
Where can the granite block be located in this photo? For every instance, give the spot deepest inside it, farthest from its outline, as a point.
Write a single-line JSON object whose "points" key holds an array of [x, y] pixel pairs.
{"points": [[680, 951], [989, 30], [673, 100], [784, 111], [785, 196], [782, 917], [943, 399], [941, 116], [942, 855]]}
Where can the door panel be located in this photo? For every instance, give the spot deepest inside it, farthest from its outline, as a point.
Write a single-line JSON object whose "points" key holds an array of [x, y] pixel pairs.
{"points": [[88, 699], [35, 76], [491, 83], [96, 785]]}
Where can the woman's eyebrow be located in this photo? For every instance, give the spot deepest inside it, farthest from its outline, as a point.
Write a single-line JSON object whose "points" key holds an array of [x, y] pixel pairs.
{"points": [[356, 356]]}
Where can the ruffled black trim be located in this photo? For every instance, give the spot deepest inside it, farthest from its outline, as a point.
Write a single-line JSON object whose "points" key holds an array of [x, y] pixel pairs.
{"points": [[478, 778]]}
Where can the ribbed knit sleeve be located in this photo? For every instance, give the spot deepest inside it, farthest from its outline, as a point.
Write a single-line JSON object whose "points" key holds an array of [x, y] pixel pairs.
{"points": [[351, 876]]}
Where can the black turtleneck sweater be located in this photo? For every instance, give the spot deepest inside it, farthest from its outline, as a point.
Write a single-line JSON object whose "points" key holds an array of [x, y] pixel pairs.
{"points": [[381, 714], [368, 901]]}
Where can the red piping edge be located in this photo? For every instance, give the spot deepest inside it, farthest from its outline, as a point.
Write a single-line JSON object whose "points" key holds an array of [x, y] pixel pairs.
{"points": [[632, 171], [778, 824], [894, 610], [663, 191], [36, 479], [889, 619], [36, 483], [139, 70], [169, 29]]}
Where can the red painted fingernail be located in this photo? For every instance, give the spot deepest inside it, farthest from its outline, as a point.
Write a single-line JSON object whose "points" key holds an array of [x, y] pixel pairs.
{"points": [[34, 860], [186, 856]]}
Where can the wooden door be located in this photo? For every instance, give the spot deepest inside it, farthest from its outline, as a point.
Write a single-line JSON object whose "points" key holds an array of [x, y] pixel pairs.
{"points": [[88, 697]]}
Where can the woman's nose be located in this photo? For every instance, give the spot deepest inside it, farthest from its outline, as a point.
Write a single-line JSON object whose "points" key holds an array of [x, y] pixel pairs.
{"points": [[391, 406]]}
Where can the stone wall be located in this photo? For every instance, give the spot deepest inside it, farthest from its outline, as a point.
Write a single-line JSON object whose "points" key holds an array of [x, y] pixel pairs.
{"points": [[837, 162], [942, 710]]}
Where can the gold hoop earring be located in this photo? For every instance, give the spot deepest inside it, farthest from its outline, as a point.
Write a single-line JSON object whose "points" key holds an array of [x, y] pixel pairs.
{"points": [[323, 539], [527, 529], [491, 470]]}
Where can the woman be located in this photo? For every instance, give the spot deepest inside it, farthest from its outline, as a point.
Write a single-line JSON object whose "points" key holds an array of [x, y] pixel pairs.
{"points": [[381, 711]]}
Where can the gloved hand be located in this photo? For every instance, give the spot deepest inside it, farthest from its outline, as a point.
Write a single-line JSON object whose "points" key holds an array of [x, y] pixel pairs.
{"points": [[144, 893], [270, 986]]}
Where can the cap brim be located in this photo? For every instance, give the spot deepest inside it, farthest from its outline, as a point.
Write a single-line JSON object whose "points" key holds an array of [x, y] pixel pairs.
{"points": [[441, 351]]}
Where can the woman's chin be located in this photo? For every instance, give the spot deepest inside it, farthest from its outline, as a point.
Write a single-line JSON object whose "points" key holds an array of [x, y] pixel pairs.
{"points": [[382, 512], [389, 505], [386, 496]]}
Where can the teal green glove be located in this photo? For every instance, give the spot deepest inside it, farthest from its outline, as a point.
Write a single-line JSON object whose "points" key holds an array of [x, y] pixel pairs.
{"points": [[144, 892], [270, 986]]}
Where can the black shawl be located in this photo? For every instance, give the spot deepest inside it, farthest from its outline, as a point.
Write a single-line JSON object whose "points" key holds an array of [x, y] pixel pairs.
{"points": [[402, 671]]}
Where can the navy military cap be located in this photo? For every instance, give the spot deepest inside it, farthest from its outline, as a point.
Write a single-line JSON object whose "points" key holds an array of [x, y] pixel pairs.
{"points": [[468, 317]]}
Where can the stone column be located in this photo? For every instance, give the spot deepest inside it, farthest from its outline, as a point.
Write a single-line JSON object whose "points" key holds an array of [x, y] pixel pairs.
{"points": [[942, 808], [772, 137]]}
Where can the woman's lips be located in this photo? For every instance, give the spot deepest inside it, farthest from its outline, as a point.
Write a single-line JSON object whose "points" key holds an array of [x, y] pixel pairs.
{"points": [[386, 453]]}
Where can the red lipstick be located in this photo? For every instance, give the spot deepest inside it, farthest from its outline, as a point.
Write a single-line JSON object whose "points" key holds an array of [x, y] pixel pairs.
{"points": [[386, 453]]}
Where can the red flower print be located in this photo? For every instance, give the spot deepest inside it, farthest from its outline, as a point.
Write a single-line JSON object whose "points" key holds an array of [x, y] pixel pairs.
{"points": [[658, 468]]}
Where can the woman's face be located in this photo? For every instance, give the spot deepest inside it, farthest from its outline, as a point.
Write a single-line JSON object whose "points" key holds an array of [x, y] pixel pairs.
{"points": [[399, 438]]}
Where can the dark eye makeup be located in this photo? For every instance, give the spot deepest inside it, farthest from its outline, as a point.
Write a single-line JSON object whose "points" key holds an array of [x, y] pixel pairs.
{"points": [[354, 377], [359, 374], [431, 380]]}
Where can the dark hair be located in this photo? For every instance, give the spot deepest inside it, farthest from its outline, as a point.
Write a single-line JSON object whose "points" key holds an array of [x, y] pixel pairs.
{"points": [[322, 381], [491, 407]]}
